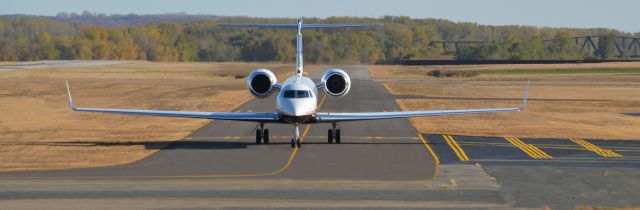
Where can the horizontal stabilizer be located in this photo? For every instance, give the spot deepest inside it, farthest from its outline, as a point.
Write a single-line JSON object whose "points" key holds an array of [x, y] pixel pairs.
{"points": [[303, 25]]}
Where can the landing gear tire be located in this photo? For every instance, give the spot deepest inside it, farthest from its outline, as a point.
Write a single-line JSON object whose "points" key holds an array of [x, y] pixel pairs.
{"points": [[337, 136], [330, 136], [295, 141], [265, 136], [258, 136]]}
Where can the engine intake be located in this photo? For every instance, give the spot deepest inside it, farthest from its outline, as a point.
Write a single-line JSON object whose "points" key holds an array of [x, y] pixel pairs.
{"points": [[261, 82], [336, 82]]}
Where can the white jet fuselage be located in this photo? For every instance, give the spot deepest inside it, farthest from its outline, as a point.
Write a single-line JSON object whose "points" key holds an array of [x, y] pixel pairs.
{"points": [[297, 100]]}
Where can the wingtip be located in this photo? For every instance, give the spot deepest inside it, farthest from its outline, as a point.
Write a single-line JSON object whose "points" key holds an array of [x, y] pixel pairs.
{"points": [[71, 104], [524, 98]]}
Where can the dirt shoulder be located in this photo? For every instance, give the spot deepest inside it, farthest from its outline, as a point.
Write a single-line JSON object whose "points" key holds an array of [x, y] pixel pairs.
{"points": [[589, 104], [39, 131]]}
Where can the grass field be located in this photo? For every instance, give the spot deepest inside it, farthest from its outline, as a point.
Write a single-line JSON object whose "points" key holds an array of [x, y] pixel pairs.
{"points": [[566, 71], [599, 69], [566, 101], [39, 131]]}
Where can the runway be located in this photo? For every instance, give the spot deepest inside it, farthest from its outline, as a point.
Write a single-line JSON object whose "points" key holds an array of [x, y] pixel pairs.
{"points": [[225, 149], [386, 161]]}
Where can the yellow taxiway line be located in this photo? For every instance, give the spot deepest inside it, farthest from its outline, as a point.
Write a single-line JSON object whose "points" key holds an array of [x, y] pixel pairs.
{"points": [[433, 154], [596, 149], [456, 148], [531, 150]]}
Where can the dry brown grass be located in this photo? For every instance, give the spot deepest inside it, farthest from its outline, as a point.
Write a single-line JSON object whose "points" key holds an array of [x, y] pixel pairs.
{"points": [[582, 106], [381, 71], [39, 131], [396, 72]]}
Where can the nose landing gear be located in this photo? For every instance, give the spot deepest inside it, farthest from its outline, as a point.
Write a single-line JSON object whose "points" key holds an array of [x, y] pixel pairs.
{"points": [[295, 141]]}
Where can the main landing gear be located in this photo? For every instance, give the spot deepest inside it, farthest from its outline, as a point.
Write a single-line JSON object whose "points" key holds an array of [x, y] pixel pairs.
{"points": [[262, 135], [333, 134], [295, 141]]}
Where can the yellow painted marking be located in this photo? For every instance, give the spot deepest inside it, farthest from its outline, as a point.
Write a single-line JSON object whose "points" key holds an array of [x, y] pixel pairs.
{"points": [[433, 154], [456, 148], [426, 145], [596, 149], [627, 150], [542, 146], [531, 150]]}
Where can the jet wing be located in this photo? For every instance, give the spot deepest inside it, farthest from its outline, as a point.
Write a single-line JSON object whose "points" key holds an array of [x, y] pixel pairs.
{"points": [[339, 117], [237, 116]]}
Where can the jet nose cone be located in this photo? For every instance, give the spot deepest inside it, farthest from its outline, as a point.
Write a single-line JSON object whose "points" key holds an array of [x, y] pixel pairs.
{"points": [[298, 112], [299, 108]]}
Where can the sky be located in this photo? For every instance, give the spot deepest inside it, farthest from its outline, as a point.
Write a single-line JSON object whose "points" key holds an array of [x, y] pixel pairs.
{"points": [[617, 14]]}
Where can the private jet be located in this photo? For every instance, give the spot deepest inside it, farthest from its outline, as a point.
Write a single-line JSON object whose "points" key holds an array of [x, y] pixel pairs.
{"points": [[297, 97]]}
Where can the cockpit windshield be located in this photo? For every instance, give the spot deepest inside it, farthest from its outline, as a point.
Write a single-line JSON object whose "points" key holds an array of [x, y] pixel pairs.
{"points": [[296, 94], [302, 94], [289, 93]]}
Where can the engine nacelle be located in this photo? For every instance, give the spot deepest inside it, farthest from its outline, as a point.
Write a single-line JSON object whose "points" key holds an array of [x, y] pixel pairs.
{"points": [[336, 82], [261, 82]]}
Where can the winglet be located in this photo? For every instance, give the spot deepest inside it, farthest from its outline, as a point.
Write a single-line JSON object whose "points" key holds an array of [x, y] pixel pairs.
{"points": [[73, 107], [526, 95]]}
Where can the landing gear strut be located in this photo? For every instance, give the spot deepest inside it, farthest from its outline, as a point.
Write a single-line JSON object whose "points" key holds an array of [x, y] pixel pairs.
{"points": [[262, 135], [295, 141], [333, 134]]}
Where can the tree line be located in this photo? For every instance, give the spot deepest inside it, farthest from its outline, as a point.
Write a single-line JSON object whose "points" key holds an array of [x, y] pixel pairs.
{"points": [[37, 38]]}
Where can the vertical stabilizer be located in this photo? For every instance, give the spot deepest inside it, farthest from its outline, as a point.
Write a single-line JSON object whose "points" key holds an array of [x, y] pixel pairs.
{"points": [[299, 65]]}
